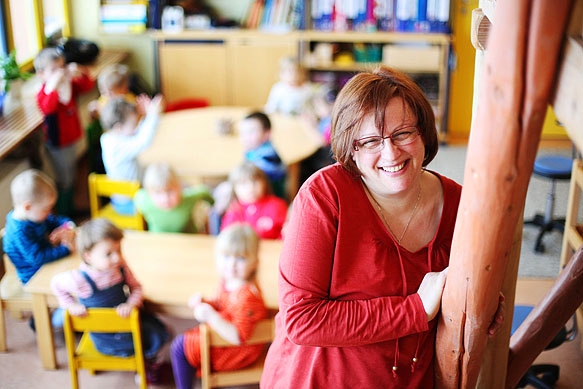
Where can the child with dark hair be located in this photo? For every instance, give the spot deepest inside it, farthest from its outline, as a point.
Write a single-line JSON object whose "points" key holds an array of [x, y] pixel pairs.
{"points": [[255, 134]]}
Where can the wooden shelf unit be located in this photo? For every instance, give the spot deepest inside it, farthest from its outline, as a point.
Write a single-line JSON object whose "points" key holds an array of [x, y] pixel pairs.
{"points": [[239, 67]]}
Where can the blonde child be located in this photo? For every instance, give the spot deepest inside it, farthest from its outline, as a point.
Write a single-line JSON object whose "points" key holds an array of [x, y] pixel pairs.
{"points": [[165, 205], [125, 138], [255, 136], [254, 203], [104, 280], [61, 85], [33, 235], [291, 94], [233, 312], [318, 119], [112, 81]]}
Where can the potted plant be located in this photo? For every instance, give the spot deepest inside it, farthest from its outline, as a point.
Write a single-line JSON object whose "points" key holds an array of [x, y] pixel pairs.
{"points": [[10, 72]]}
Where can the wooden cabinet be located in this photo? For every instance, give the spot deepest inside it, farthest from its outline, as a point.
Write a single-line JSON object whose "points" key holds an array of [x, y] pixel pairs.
{"points": [[336, 56], [192, 69], [254, 67], [226, 67]]}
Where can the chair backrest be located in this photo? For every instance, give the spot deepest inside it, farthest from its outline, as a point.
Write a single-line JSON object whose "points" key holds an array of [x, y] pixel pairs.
{"points": [[84, 355], [100, 186], [186, 103], [263, 334]]}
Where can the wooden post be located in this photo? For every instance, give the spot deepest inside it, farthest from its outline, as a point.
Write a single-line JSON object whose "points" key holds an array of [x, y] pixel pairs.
{"points": [[518, 74]]}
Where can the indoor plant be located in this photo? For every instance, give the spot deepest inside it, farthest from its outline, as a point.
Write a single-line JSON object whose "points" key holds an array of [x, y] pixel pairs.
{"points": [[10, 72]]}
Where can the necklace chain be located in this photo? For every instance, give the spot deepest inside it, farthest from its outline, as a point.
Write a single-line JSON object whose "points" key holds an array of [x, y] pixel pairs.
{"points": [[408, 222]]}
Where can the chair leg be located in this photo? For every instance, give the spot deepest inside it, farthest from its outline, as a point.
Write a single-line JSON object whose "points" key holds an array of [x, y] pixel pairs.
{"points": [[549, 374], [3, 345]]}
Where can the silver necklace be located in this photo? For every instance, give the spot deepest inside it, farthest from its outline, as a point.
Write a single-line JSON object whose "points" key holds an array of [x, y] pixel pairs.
{"points": [[387, 223]]}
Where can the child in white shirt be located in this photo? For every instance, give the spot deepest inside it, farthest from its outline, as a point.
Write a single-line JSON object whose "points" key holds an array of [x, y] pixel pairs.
{"points": [[125, 138]]}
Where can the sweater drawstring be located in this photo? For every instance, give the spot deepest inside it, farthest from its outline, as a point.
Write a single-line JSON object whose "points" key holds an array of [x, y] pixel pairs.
{"points": [[414, 360], [395, 367]]}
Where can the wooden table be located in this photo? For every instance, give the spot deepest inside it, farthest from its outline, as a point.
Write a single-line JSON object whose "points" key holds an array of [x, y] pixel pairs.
{"points": [[189, 141], [17, 124], [170, 267]]}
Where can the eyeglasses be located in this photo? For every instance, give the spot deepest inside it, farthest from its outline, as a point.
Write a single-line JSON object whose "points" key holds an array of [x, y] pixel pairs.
{"points": [[374, 144]]}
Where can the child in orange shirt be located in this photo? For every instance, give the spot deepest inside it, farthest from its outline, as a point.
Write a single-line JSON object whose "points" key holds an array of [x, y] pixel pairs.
{"points": [[233, 313]]}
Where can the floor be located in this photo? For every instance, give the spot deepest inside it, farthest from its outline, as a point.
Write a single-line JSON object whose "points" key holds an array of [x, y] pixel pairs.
{"points": [[20, 367]]}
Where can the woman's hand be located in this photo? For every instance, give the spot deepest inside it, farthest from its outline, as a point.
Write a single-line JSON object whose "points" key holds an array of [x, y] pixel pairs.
{"points": [[430, 291], [498, 316]]}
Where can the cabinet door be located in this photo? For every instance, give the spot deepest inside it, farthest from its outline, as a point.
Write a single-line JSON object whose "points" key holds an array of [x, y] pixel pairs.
{"points": [[192, 69], [255, 68]]}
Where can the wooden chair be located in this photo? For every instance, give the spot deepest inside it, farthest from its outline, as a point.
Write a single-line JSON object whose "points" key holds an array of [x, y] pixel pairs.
{"points": [[12, 297], [84, 355], [263, 333], [100, 186]]}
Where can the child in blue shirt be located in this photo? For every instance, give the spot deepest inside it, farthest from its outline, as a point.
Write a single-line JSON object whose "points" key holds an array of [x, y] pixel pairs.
{"points": [[33, 235], [254, 134]]}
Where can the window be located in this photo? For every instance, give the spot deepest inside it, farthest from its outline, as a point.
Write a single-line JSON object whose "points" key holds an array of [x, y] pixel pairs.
{"points": [[29, 24]]}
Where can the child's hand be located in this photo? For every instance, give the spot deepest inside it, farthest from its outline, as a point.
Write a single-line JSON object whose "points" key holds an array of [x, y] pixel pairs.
{"points": [[55, 79], [204, 312], [77, 309], [124, 309], [74, 70], [156, 105], [93, 108], [194, 300], [64, 235]]}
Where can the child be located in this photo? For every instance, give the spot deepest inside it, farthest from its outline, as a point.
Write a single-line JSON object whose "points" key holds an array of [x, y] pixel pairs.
{"points": [[319, 120], [57, 101], [290, 95], [34, 236], [233, 313], [164, 204], [254, 134], [125, 139], [254, 203], [104, 280], [113, 81]]}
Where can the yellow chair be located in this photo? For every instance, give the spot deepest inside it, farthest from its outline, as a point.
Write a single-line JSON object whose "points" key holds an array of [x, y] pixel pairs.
{"points": [[85, 356], [12, 298], [263, 333], [100, 187]]}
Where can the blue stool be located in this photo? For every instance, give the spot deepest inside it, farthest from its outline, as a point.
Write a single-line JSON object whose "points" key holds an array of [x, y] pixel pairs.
{"points": [[555, 167]]}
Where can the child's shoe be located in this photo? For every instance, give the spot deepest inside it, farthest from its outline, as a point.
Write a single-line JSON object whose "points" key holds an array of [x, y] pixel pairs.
{"points": [[158, 373]]}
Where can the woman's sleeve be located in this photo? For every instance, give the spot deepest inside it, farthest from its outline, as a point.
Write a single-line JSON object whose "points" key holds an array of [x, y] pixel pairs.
{"points": [[312, 317]]}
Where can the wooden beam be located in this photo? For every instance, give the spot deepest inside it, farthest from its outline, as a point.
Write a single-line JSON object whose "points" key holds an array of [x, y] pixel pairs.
{"points": [[518, 74], [546, 319]]}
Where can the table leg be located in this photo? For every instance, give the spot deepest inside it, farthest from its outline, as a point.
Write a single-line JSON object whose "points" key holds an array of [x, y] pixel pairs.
{"points": [[44, 331]]}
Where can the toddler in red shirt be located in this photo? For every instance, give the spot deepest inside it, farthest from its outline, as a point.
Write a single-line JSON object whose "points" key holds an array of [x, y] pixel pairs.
{"points": [[254, 203]]}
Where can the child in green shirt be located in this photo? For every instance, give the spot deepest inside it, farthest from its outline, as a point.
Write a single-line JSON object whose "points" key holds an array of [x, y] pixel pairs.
{"points": [[165, 205]]}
